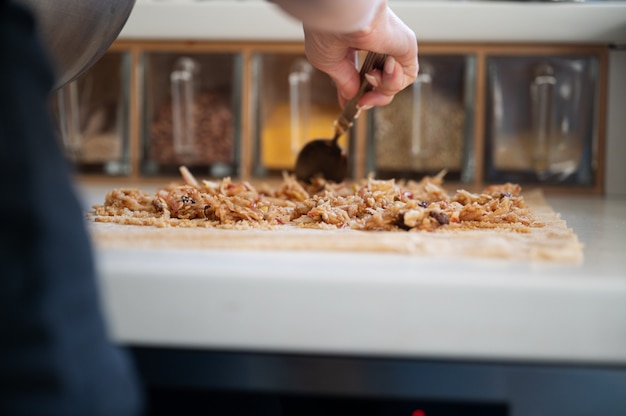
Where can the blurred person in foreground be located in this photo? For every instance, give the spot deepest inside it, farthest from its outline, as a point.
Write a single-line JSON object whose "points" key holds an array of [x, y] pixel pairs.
{"points": [[56, 356]]}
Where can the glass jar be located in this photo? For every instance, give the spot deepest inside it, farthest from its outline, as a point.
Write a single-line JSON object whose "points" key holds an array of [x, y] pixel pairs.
{"points": [[191, 113], [92, 116], [294, 103], [540, 119], [427, 127]]}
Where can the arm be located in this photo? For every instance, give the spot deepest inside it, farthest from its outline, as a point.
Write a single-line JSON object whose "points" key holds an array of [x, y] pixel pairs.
{"points": [[335, 30], [332, 15]]}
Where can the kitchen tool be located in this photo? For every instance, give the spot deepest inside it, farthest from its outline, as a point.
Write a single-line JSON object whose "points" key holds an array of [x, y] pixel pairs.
{"points": [[69, 120], [183, 80], [541, 96], [324, 157], [299, 102], [420, 149], [76, 33]]}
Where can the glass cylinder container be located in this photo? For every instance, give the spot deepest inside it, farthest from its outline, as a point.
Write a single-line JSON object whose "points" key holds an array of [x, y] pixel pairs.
{"points": [[299, 103], [184, 81]]}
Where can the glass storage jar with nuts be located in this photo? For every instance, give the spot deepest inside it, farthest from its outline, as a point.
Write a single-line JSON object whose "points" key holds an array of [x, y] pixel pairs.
{"points": [[294, 103], [427, 127], [191, 113]]}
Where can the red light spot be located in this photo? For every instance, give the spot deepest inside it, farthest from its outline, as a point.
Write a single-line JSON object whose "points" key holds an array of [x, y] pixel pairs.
{"points": [[418, 412]]}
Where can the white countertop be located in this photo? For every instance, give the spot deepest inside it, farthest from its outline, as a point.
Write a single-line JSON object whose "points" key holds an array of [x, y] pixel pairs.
{"points": [[434, 21], [380, 304]]}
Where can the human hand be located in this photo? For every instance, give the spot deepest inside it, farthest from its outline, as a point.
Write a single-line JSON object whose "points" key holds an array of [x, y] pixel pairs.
{"points": [[335, 30], [335, 53]]}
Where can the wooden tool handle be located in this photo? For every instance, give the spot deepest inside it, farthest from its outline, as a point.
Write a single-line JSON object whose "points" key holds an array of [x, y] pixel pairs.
{"points": [[344, 122]]}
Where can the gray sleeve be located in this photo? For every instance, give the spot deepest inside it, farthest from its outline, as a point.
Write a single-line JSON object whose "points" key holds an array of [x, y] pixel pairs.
{"points": [[342, 16]]}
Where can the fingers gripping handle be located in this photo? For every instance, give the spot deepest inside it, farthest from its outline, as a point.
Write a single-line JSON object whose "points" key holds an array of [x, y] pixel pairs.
{"points": [[344, 122]]}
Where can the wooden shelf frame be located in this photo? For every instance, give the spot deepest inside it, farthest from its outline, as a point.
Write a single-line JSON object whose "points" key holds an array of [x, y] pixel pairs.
{"points": [[247, 50]]}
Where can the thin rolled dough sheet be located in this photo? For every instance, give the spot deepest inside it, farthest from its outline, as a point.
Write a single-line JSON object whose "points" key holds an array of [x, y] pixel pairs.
{"points": [[554, 242]]}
